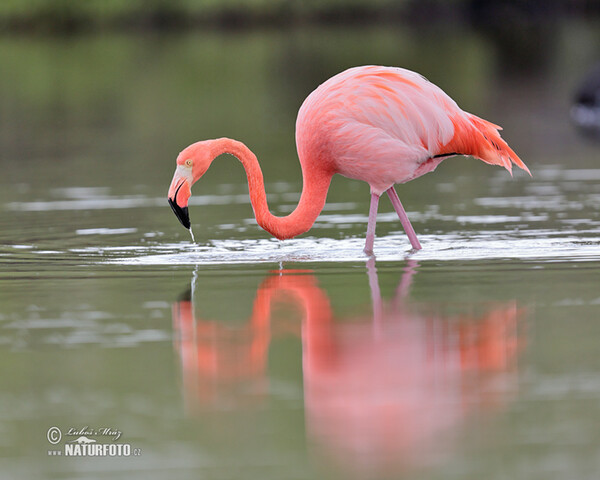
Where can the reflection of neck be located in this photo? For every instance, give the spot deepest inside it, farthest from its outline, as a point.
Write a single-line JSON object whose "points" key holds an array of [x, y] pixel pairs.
{"points": [[311, 302], [314, 192], [314, 307]]}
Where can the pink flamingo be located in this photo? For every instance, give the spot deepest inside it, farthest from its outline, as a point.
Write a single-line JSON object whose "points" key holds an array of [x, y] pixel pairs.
{"points": [[383, 125]]}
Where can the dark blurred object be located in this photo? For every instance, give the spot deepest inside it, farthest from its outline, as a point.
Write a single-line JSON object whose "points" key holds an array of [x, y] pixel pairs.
{"points": [[585, 112]]}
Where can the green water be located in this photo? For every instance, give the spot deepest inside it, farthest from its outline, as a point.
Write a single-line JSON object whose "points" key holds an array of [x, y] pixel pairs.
{"points": [[245, 357]]}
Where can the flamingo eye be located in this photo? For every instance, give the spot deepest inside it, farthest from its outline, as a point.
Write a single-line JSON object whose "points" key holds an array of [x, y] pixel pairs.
{"points": [[188, 163]]}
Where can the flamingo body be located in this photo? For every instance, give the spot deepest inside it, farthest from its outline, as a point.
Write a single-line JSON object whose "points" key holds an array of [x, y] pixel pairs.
{"points": [[382, 125], [386, 125]]}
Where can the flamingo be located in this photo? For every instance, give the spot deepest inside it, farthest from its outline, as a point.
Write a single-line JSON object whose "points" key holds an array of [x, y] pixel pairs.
{"points": [[382, 125]]}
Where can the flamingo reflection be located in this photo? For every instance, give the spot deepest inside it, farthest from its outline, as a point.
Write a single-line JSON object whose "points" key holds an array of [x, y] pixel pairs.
{"points": [[383, 392], [222, 363], [387, 392]]}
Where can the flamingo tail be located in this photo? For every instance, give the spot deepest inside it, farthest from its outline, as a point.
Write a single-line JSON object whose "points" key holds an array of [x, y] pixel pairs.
{"points": [[481, 139]]}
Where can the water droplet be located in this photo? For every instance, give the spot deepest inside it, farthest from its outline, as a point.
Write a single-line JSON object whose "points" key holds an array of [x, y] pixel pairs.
{"points": [[192, 234]]}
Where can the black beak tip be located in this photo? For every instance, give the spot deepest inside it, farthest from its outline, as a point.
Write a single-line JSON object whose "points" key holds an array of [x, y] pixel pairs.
{"points": [[181, 213]]}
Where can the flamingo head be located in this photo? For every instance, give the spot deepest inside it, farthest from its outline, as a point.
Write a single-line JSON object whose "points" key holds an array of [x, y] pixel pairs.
{"points": [[192, 163]]}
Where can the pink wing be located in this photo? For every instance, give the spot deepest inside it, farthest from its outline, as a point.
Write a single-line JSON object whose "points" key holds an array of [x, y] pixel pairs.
{"points": [[384, 125]]}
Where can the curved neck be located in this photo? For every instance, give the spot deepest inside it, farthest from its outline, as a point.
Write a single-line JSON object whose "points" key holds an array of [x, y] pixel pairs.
{"points": [[315, 183]]}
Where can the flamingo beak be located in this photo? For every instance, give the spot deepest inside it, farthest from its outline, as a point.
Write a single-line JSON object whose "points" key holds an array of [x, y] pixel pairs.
{"points": [[179, 193]]}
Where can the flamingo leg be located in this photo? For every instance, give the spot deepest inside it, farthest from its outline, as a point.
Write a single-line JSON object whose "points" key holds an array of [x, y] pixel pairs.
{"points": [[408, 228], [371, 225]]}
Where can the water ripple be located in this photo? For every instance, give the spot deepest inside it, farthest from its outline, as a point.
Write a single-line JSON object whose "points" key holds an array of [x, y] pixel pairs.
{"points": [[485, 245]]}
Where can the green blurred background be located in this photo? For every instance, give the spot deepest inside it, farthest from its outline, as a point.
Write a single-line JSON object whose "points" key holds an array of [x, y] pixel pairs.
{"points": [[70, 15]]}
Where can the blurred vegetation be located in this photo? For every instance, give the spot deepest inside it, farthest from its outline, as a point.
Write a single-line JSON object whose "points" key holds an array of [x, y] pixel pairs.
{"points": [[69, 16]]}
